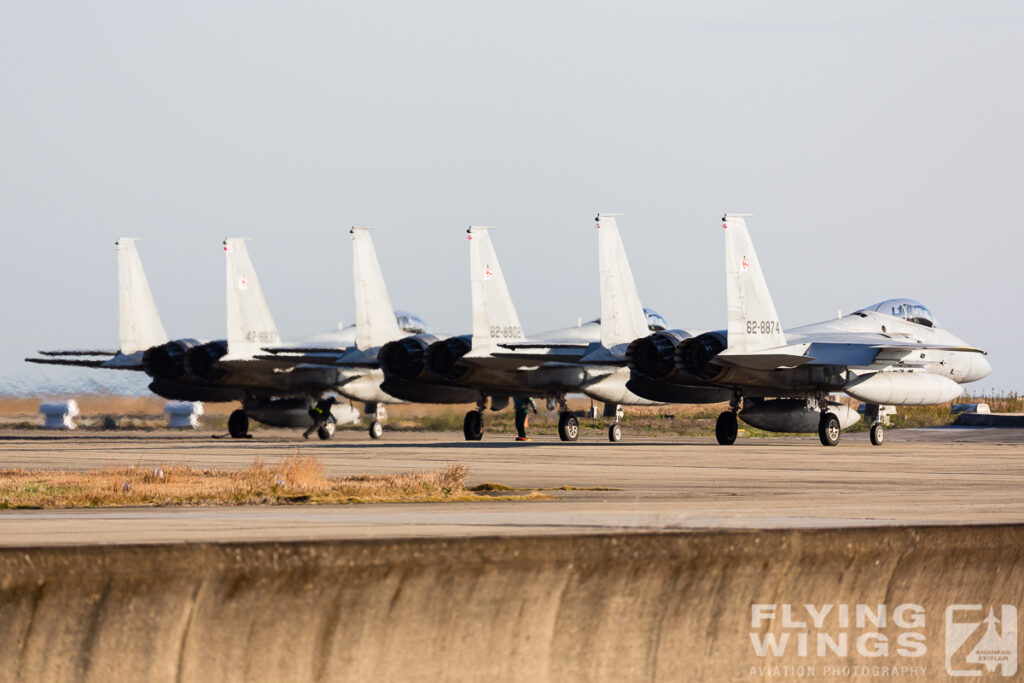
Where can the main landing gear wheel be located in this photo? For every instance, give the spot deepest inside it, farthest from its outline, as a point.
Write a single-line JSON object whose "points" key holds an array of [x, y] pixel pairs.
{"points": [[376, 430], [727, 428], [325, 431], [828, 429], [877, 434], [238, 424], [615, 433], [568, 427], [473, 426]]}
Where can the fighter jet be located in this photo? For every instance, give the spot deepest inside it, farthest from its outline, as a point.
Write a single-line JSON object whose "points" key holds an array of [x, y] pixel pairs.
{"points": [[497, 361], [358, 375], [227, 369], [890, 353]]}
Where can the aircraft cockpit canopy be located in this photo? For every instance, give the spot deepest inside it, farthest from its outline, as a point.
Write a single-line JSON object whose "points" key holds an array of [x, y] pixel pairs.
{"points": [[655, 323], [908, 309], [411, 323]]}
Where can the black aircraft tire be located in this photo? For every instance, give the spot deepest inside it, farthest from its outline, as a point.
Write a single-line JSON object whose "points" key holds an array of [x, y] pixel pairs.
{"points": [[877, 434], [615, 433], [829, 429], [473, 426], [376, 430], [727, 428], [568, 427], [238, 424]]}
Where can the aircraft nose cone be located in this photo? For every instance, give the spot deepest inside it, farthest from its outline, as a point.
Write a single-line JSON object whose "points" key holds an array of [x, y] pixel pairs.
{"points": [[979, 369]]}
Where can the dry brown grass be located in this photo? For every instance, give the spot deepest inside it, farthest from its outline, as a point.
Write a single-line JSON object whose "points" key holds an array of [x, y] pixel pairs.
{"points": [[295, 479]]}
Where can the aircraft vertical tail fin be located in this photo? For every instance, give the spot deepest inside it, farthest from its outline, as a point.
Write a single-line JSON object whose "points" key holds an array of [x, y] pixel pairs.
{"points": [[139, 325], [375, 317], [753, 324], [494, 316], [250, 325], [622, 313]]}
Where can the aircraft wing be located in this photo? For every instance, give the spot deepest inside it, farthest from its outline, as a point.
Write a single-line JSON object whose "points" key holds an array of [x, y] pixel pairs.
{"points": [[932, 347], [292, 350], [109, 354], [332, 357], [903, 353], [545, 352], [545, 345], [90, 359], [79, 362], [763, 361], [295, 361], [851, 351]]}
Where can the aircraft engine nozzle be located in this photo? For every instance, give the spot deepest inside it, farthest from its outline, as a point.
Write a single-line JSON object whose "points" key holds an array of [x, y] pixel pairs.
{"points": [[693, 356], [442, 357], [201, 361], [404, 358], [793, 416], [653, 356], [167, 361]]}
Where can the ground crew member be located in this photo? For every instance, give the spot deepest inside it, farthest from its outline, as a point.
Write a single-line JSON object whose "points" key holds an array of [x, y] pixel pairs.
{"points": [[522, 407], [321, 414]]}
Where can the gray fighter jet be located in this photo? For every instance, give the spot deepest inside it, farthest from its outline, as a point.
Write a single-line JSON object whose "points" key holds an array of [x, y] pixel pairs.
{"points": [[891, 353], [497, 361], [231, 369]]}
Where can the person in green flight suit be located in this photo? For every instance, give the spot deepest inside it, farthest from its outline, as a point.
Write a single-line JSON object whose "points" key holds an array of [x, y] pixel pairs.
{"points": [[522, 407]]}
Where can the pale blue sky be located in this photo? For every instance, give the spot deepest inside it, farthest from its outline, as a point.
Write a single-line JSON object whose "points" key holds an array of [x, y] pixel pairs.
{"points": [[877, 143]]}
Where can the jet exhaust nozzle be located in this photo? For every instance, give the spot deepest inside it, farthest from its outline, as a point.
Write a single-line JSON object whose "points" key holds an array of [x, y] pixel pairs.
{"points": [[442, 357], [653, 356], [201, 361], [167, 361], [404, 358], [693, 356]]}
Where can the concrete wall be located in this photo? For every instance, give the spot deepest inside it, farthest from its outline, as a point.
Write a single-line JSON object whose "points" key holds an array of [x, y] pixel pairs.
{"points": [[610, 607]]}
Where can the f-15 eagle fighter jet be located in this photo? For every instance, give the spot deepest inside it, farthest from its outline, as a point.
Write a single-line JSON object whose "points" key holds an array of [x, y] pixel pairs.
{"points": [[232, 369], [497, 361], [890, 353]]}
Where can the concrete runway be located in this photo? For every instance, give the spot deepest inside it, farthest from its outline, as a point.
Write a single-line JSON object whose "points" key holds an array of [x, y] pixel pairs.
{"points": [[928, 476]]}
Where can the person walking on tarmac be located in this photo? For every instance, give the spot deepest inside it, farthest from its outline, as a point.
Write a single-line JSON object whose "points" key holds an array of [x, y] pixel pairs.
{"points": [[522, 407], [321, 414]]}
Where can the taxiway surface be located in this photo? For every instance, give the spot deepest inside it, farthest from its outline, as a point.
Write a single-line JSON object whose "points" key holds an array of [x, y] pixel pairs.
{"points": [[933, 476]]}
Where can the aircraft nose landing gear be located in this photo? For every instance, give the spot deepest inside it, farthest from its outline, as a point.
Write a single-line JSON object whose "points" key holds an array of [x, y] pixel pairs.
{"points": [[615, 432], [614, 411], [877, 434], [879, 416], [379, 415]]}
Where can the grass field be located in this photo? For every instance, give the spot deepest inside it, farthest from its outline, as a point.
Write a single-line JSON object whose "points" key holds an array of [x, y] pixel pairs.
{"points": [[293, 480]]}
